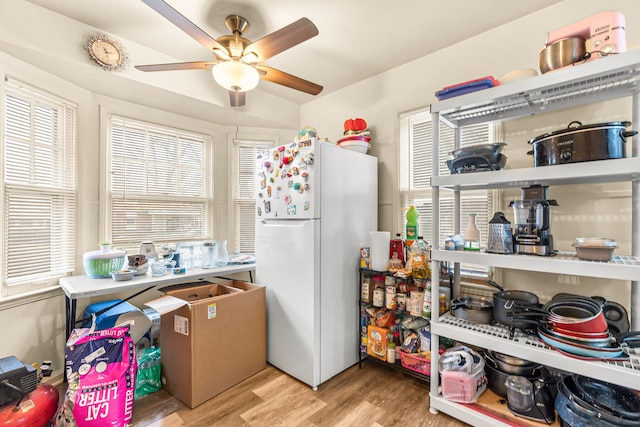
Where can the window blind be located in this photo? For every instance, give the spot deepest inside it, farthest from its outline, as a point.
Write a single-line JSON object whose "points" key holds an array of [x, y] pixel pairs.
{"points": [[416, 148], [244, 203], [160, 184], [39, 189]]}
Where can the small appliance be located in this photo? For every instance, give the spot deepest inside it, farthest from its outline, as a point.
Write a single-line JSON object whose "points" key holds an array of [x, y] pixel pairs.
{"points": [[604, 34], [530, 399], [532, 233], [16, 379]]}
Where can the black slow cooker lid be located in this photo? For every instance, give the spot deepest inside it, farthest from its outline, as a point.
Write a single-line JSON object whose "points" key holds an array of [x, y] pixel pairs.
{"points": [[577, 126]]}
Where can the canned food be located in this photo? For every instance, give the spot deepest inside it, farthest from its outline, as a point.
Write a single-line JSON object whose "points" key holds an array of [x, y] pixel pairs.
{"points": [[378, 297]]}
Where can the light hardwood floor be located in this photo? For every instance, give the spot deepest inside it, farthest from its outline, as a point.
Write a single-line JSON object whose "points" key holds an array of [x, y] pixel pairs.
{"points": [[372, 396]]}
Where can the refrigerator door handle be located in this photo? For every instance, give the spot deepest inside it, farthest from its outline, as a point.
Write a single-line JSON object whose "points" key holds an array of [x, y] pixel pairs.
{"points": [[285, 223]]}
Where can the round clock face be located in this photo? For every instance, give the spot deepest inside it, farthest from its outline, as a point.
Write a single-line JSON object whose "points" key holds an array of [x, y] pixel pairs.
{"points": [[107, 53]]}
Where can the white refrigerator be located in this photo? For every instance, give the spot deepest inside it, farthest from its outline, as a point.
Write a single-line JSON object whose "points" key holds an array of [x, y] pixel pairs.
{"points": [[316, 206]]}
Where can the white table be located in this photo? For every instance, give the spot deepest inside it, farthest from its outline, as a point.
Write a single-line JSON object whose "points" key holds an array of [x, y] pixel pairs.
{"points": [[76, 287]]}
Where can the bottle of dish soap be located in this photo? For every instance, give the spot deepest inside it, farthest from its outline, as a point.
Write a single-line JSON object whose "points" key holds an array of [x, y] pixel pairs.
{"points": [[412, 224]]}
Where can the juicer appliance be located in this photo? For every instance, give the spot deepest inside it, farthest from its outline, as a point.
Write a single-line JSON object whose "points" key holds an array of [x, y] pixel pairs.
{"points": [[532, 231]]}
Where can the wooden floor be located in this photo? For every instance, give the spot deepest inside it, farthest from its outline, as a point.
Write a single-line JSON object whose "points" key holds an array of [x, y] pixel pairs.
{"points": [[372, 396]]}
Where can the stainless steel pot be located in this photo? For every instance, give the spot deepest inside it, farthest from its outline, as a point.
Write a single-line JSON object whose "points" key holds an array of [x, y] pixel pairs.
{"points": [[562, 53], [581, 143]]}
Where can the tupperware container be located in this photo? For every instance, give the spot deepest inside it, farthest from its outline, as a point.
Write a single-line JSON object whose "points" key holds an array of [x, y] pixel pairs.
{"points": [[101, 263], [594, 248]]}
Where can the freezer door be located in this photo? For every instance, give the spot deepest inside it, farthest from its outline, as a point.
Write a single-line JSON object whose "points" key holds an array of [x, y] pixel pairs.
{"points": [[287, 263], [286, 181]]}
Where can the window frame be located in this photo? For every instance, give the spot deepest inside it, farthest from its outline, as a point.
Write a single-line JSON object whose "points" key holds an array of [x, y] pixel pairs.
{"points": [[234, 217], [159, 119], [412, 187], [66, 189]]}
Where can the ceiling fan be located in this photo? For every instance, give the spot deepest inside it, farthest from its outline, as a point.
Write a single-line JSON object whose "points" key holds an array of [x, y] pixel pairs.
{"points": [[239, 63]]}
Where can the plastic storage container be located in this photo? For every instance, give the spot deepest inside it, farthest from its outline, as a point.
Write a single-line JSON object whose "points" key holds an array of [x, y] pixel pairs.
{"points": [[594, 248]]}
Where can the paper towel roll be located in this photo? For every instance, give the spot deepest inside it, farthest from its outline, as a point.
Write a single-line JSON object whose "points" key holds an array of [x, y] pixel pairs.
{"points": [[380, 241]]}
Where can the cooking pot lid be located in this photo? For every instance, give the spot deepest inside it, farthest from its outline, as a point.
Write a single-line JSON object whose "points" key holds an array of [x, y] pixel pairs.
{"points": [[578, 126], [479, 149], [473, 303]]}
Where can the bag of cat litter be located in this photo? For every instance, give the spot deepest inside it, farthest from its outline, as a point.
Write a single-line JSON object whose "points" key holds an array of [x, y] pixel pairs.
{"points": [[101, 375]]}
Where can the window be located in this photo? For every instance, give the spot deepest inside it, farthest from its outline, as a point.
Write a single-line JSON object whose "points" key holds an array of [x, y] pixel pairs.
{"points": [[39, 189], [160, 184], [416, 148], [244, 203]]}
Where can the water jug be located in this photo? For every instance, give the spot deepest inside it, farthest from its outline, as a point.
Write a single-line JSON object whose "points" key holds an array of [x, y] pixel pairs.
{"points": [[221, 258]]}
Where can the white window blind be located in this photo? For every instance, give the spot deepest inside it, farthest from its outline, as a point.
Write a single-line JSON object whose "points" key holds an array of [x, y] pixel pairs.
{"points": [[416, 147], [160, 184], [244, 202], [39, 189]]}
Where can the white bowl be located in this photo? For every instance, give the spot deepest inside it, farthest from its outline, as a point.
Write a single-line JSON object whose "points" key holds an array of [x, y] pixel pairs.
{"points": [[122, 275], [359, 146]]}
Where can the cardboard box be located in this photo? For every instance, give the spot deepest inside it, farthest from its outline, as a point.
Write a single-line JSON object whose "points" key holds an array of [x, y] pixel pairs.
{"points": [[215, 340]]}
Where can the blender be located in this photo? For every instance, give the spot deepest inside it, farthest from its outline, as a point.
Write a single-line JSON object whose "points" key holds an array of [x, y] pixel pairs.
{"points": [[532, 233]]}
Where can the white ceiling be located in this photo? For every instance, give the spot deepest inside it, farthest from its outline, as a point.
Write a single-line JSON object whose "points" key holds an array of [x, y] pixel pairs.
{"points": [[357, 39]]}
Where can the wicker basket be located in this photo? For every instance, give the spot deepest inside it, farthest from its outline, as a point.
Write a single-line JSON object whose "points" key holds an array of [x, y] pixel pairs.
{"points": [[417, 362]]}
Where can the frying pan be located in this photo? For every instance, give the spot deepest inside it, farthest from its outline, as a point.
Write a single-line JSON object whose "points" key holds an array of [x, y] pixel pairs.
{"points": [[572, 408], [616, 315], [580, 349], [620, 401], [601, 342], [505, 301]]}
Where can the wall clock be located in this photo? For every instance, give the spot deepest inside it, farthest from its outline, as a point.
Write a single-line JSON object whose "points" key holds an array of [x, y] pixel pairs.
{"points": [[107, 52]]}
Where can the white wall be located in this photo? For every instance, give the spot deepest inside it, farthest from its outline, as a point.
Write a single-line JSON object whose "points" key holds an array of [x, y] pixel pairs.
{"points": [[515, 45]]}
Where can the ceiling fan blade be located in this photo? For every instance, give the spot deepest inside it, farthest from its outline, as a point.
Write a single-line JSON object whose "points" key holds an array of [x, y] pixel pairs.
{"points": [[184, 24], [237, 99], [282, 39], [280, 77], [199, 65]]}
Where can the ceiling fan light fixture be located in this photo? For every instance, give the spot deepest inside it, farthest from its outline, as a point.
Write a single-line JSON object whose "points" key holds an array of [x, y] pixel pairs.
{"points": [[250, 58], [236, 76]]}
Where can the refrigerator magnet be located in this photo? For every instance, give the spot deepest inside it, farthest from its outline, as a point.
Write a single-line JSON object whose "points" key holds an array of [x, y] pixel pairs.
{"points": [[291, 210], [267, 206], [306, 205]]}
